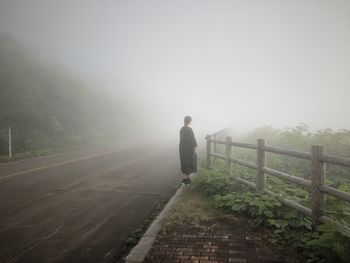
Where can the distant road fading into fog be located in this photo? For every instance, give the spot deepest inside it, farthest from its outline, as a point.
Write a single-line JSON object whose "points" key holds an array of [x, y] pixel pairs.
{"points": [[80, 206]]}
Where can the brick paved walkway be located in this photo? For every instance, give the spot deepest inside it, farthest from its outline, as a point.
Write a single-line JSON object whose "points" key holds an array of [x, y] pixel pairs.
{"points": [[210, 242]]}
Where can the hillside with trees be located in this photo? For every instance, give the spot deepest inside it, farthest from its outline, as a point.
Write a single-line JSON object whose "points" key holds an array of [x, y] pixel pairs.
{"points": [[47, 107]]}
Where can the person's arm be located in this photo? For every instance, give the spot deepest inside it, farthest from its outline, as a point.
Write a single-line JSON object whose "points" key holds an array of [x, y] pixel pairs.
{"points": [[194, 142]]}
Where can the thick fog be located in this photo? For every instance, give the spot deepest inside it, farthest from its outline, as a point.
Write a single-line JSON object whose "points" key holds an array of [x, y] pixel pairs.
{"points": [[225, 63]]}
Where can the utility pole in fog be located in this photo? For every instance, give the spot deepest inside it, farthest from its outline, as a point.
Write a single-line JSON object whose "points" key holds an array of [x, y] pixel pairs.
{"points": [[10, 143]]}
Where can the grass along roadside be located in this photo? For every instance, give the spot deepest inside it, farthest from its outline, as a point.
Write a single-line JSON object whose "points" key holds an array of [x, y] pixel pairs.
{"points": [[192, 208]]}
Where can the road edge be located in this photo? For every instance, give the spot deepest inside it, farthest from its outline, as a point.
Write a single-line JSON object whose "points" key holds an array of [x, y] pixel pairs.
{"points": [[140, 251]]}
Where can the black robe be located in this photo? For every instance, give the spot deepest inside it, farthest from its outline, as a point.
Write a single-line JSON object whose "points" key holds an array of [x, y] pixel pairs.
{"points": [[188, 156]]}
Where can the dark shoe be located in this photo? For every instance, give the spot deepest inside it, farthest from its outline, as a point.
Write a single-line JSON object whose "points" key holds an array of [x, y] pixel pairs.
{"points": [[186, 181]]}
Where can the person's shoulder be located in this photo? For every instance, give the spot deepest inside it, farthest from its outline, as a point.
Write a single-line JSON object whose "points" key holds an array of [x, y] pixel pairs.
{"points": [[186, 128]]}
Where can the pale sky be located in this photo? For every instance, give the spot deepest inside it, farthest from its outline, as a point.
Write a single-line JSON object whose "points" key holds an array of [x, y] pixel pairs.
{"points": [[242, 63]]}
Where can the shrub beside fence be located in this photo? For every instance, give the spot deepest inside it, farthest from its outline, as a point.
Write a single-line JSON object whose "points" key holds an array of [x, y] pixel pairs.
{"points": [[316, 186]]}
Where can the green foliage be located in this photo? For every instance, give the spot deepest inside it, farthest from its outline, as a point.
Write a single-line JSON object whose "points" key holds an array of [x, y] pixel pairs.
{"points": [[212, 183], [260, 206], [332, 242], [47, 107], [328, 244], [301, 138]]}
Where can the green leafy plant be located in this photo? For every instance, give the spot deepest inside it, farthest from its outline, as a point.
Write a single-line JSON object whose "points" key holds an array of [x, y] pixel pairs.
{"points": [[328, 244], [212, 183]]}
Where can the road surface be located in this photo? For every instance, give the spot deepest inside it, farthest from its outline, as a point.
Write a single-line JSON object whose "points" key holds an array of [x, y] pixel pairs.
{"points": [[80, 206]]}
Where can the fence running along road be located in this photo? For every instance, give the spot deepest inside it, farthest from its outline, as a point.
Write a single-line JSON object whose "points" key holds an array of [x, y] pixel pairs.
{"points": [[316, 186]]}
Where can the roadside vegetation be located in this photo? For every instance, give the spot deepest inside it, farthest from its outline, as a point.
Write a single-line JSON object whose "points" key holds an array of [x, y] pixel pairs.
{"points": [[48, 108], [330, 243]]}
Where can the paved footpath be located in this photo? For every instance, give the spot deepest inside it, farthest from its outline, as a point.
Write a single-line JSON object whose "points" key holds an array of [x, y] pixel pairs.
{"points": [[228, 239], [208, 244]]}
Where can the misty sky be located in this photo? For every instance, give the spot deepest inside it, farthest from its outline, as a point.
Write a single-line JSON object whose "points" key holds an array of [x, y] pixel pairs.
{"points": [[242, 63]]}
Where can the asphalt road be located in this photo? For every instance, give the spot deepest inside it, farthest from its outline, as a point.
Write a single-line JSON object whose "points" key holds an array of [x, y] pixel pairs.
{"points": [[80, 206]]}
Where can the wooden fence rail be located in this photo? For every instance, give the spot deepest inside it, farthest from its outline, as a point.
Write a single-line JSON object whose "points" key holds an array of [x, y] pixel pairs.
{"points": [[316, 186]]}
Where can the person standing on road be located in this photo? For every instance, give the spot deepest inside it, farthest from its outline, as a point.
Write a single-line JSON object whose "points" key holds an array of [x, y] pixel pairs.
{"points": [[188, 155]]}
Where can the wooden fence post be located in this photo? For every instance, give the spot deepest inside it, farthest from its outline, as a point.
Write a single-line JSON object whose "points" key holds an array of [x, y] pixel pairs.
{"points": [[261, 162], [208, 151], [317, 179], [228, 155]]}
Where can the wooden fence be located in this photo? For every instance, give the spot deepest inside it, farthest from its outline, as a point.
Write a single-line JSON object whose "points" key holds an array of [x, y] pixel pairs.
{"points": [[316, 186]]}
